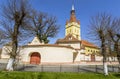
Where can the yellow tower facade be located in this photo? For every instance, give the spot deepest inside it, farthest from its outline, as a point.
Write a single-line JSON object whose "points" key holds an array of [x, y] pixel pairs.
{"points": [[73, 26]]}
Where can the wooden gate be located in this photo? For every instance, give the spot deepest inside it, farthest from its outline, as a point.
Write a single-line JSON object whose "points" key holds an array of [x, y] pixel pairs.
{"points": [[92, 57], [35, 58]]}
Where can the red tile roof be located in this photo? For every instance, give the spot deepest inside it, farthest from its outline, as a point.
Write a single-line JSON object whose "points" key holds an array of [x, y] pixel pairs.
{"points": [[68, 38], [86, 43], [48, 45], [73, 18]]}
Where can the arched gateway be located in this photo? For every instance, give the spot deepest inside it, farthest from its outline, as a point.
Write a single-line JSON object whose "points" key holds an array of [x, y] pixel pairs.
{"points": [[35, 58]]}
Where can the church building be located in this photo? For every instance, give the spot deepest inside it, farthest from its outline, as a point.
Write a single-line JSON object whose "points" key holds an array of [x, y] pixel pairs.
{"points": [[70, 49]]}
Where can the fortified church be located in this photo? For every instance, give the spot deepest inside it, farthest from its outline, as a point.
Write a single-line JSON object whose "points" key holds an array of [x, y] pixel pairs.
{"points": [[70, 49]]}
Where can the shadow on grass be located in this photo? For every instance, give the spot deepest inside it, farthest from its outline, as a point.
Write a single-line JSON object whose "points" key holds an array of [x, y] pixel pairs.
{"points": [[40, 76], [91, 70], [117, 75]]}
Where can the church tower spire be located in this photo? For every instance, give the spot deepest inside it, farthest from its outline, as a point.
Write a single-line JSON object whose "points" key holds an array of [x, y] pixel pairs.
{"points": [[73, 25], [73, 7], [73, 17]]}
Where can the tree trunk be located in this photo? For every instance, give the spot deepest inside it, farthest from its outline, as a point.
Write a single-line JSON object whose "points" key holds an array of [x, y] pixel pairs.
{"points": [[103, 46], [116, 48], [105, 67], [10, 64]]}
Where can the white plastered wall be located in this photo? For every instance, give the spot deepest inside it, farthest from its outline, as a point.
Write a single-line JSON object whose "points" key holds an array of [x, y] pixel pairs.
{"points": [[49, 54]]}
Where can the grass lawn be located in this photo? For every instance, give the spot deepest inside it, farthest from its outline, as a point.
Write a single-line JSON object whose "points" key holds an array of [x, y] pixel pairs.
{"points": [[52, 75]]}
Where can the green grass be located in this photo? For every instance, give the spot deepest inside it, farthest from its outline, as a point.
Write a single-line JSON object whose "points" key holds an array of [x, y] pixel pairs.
{"points": [[52, 75]]}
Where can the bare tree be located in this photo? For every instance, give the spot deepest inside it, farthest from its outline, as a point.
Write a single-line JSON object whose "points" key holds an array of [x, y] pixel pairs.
{"points": [[118, 35], [114, 31], [44, 26], [1, 37], [14, 14], [8, 50], [0, 53], [98, 28]]}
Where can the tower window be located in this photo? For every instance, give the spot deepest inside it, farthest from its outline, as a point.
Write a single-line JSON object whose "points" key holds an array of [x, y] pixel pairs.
{"points": [[70, 30], [77, 36], [70, 38]]}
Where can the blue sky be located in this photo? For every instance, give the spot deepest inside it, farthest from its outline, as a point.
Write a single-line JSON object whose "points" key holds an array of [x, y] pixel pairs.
{"points": [[84, 10]]}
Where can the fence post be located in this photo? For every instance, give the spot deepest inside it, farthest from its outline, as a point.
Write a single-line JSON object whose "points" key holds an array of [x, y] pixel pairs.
{"points": [[118, 69], [41, 68], [96, 68], [24, 67], [60, 68], [112, 68], [78, 67]]}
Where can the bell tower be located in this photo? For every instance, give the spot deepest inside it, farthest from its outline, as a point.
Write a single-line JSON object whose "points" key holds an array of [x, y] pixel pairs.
{"points": [[73, 25]]}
